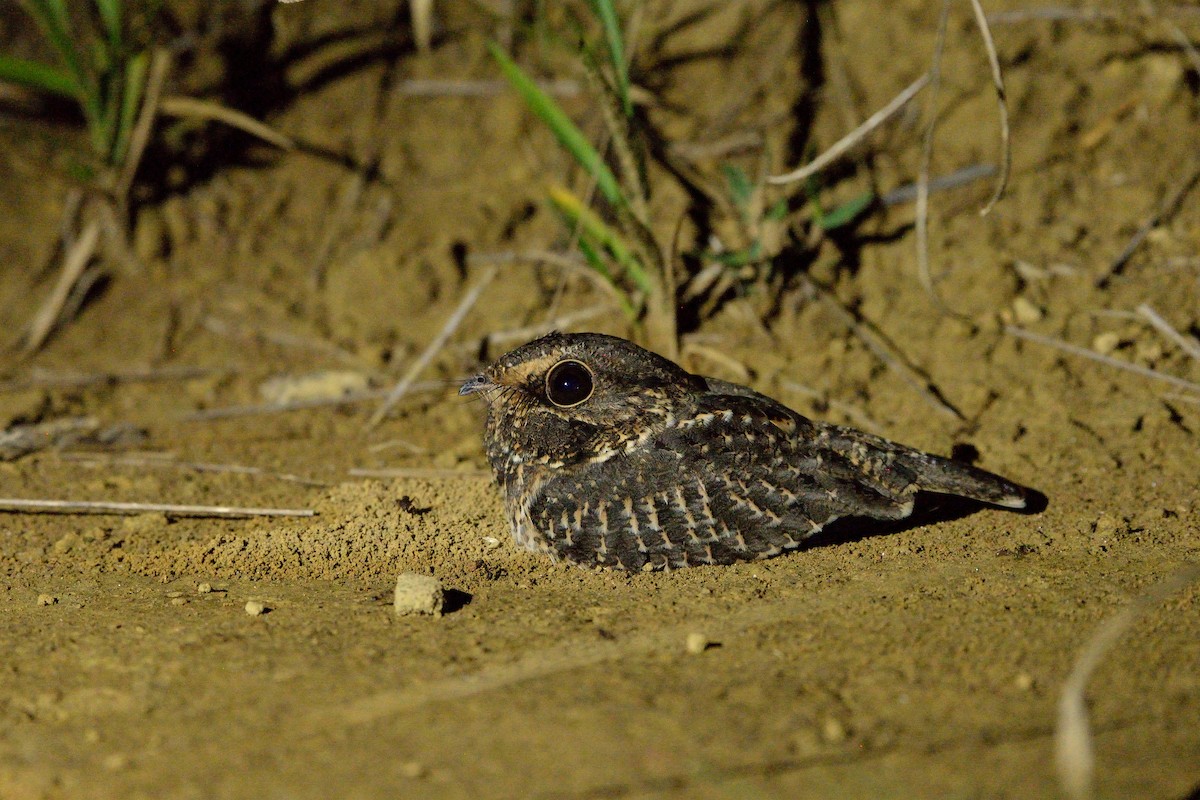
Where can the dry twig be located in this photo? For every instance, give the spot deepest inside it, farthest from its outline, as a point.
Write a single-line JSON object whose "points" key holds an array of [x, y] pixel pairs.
{"points": [[855, 136], [919, 383], [77, 258], [228, 412], [106, 507], [924, 272], [166, 460], [1187, 344], [1074, 754], [1002, 102], [417, 472], [48, 380], [1083, 352], [401, 388], [1161, 214]]}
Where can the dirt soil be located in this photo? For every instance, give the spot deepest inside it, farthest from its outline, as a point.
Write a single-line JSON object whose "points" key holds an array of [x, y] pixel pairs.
{"points": [[925, 660]]}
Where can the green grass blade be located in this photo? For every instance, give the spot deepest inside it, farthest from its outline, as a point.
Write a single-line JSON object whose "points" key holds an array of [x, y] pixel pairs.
{"points": [[607, 13], [846, 212], [51, 17], [36, 75], [134, 86], [567, 133], [741, 190], [591, 225], [110, 18]]}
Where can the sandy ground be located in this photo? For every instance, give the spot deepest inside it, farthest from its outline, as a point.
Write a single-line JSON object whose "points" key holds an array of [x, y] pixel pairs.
{"points": [[924, 660]]}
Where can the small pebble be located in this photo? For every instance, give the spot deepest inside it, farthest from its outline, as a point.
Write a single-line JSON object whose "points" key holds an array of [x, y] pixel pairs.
{"points": [[204, 588], [255, 608], [1025, 312], [1105, 343], [418, 594], [47, 599], [696, 643], [1024, 681], [413, 769], [178, 601], [173, 595], [833, 731]]}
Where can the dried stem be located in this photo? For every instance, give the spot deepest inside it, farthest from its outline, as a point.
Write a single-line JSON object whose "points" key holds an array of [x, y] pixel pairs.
{"points": [[77, 258], [1187, 344], [439, 341], [1083, 352], [1074, 754], [106, 507], [1002, 102], [855, 136]]}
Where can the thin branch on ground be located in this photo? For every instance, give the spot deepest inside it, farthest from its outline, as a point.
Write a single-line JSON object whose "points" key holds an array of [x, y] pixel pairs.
{"points": [[1073, 750], [1050, 14], [402, 387], [415, 449], [924, 272], [1084, 352], [960, 177], [240, 330], [1187, 344], [1164, 212], [21, 440], [158, 460], [228, 412], [23, 505], [1002, 102], [417, 472], [160, 63], [176, 106], [918, 382], [855, 136], [48, 380], [77, 258]]}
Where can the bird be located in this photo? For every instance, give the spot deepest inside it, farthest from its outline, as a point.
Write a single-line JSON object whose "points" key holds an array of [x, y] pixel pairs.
{"points": [[610, 455]]}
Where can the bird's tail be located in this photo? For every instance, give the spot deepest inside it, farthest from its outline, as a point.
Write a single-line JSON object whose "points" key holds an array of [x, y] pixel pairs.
{"points": [[937, 474]]}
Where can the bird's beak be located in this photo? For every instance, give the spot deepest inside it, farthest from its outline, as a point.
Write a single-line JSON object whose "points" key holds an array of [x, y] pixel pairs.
{"points": [[476, 383]]}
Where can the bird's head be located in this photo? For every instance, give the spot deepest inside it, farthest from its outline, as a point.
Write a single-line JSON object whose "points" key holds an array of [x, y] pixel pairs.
{"points": [[564, 398]]}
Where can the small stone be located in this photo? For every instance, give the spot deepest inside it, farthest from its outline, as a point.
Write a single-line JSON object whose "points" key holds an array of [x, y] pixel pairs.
{"points": [[46, 600], [833, 731], [204, 588], [174, 594], [178, 601], [115, 762], [413, 770], [1105, 343], [696, 643], [1024, 681], [256, 608], [1025, 312], [418, 594]]}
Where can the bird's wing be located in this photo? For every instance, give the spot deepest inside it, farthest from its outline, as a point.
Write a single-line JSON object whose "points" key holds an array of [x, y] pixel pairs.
{"points": [[738, 478]]}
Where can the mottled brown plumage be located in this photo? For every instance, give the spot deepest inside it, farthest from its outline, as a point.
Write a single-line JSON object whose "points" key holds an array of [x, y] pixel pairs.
{"points": [[611, 455]]}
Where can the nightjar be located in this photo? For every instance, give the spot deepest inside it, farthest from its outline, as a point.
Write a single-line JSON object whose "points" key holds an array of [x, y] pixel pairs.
{"points": [[610, 455]]}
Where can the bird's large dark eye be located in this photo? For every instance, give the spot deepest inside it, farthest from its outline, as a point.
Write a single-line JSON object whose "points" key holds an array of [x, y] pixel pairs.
{"points": [[569, 383]]}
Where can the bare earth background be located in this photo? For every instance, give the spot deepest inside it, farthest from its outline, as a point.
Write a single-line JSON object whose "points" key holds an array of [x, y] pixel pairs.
{"points": [[923, 662]]}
